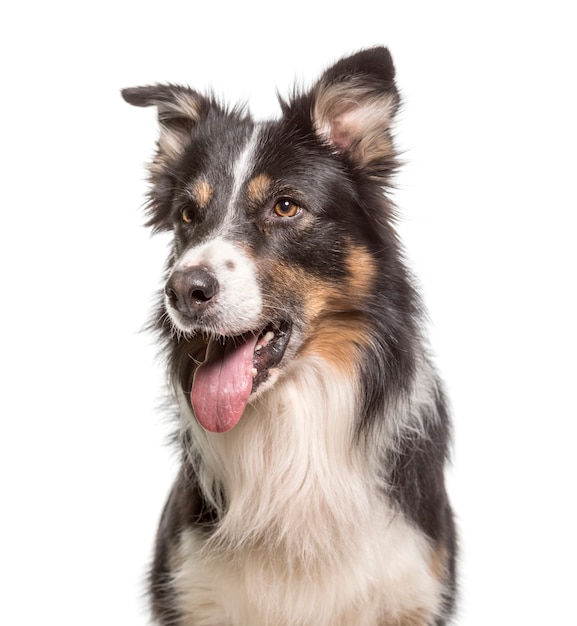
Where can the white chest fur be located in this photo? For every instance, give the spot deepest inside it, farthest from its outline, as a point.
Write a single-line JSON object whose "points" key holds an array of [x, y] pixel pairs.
{"points": [[307, 537]]}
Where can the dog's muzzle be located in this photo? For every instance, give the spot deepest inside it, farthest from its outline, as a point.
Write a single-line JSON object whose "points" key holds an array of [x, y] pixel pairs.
{"points": [[242, 347]]}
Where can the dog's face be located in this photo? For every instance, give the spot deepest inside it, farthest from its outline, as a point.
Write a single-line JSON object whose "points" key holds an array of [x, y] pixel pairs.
{"points": [[276, 227]]}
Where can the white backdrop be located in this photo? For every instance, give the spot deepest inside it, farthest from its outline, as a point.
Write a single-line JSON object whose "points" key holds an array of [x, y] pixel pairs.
{"points": [[488, 201]]}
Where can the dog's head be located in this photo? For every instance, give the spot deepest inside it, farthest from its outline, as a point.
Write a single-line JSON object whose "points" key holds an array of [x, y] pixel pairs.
{"points": [[280, 228]]}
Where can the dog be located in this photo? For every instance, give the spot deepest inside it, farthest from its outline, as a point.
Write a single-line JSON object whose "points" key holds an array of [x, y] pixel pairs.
{"points": [[313, 428]]}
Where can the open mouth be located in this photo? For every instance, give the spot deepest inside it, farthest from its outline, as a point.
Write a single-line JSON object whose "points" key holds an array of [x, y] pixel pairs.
{"points": [[234, 368]]}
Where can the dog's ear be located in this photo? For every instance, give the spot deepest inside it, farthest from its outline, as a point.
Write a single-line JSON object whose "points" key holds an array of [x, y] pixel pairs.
{"points": [[353, 106], [179, 110]]}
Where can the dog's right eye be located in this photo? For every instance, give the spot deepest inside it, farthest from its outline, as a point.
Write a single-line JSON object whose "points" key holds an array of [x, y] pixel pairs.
{"points": [[186, 215]]}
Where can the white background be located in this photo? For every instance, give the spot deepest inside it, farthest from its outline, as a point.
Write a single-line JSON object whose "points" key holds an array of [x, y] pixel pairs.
{"points": [[488, 202]]}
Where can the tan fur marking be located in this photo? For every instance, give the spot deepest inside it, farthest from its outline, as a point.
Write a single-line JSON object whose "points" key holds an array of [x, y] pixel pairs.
{"points": [[331, 311], [362, 271], [321, 299], [334, 326], [259, 188], [202, 193], [333, 337]]}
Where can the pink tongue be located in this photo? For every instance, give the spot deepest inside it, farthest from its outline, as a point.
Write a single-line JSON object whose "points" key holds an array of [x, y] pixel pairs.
{"points": [[223, 383]]}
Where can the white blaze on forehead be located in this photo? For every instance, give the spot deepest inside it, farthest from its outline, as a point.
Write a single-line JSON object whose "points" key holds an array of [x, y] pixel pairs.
{"points": [[243, 166], [237, 307], [238, 304]]}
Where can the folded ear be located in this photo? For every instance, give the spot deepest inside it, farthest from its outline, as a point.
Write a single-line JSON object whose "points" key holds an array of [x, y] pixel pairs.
{"points": [[179, 109], [353, 107]]}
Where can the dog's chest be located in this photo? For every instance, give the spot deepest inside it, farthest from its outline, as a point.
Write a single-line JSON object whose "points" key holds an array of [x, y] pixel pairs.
{"points": [[308, 537], [380, 578]]}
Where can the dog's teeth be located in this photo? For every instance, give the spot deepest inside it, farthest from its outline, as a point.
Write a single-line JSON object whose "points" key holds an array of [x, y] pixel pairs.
{"points": [[254, 372], [264, 341]]}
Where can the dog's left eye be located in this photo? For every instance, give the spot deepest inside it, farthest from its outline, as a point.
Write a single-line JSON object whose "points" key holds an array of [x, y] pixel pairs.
{"points": [[286, 208]]}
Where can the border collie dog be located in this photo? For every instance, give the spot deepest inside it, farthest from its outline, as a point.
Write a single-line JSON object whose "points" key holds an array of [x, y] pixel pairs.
{"points": [[313, 427]]}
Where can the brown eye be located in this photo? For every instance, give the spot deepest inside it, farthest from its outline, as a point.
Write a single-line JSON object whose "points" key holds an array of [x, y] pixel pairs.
{"points": [[186, 215], [286, 208]]}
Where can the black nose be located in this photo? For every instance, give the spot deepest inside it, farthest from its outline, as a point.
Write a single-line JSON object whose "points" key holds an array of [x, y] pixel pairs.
{"points": [[191, 290]]}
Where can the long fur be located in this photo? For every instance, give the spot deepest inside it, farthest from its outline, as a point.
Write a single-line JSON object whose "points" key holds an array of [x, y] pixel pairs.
{"points": [[325, 504]]}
